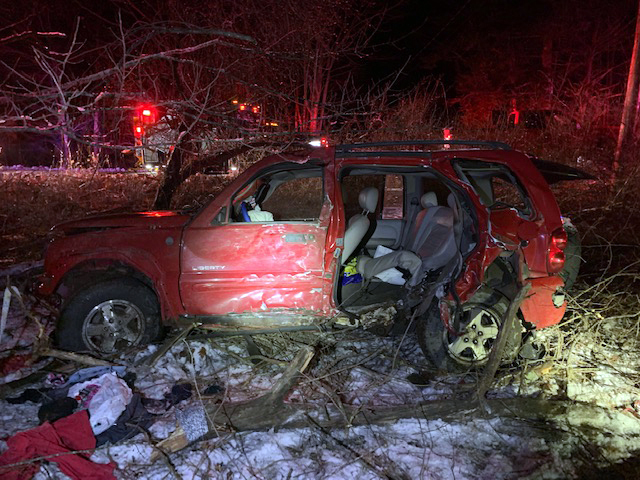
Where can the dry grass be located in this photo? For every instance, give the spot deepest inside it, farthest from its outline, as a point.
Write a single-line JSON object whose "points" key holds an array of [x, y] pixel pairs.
{"points": [[34, 201]]}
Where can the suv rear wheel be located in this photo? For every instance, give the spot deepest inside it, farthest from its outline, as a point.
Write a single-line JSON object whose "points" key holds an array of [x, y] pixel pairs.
{"points": [[480, 322], [109, 317]]}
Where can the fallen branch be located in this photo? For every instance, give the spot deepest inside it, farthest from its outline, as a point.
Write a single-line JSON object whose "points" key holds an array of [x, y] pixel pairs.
{"points": [[497, 353], [260, 413], [244, 417], [74, 357]]}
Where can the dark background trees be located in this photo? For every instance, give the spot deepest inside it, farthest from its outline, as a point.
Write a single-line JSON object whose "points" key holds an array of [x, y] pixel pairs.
{"points": [[74, 72]]}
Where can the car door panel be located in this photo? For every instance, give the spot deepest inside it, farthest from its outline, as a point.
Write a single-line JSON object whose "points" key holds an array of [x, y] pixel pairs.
{"points": [[253, 268]]}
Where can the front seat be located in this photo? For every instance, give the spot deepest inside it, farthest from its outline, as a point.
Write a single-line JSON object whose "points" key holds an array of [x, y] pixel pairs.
{"points": [[360, 227]]}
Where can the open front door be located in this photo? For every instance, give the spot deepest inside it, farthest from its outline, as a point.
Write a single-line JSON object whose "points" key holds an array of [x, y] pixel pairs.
{"points": [[261, 273]]}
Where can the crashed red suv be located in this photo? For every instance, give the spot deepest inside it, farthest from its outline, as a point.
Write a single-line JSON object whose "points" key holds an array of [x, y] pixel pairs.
{"points": [[387, 236]]}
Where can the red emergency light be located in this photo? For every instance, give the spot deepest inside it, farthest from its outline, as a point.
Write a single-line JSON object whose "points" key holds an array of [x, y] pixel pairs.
{"points": [[146, 114]]}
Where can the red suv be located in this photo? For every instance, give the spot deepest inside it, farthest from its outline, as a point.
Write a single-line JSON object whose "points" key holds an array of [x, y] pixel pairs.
{"points": [[384, 235]]}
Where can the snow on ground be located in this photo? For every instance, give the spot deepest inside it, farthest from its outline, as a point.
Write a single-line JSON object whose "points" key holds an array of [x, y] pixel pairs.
{"points": [[358, 368]]}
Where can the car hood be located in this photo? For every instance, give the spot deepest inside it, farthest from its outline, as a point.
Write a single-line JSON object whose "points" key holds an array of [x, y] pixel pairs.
{"points": [[149, 220]]}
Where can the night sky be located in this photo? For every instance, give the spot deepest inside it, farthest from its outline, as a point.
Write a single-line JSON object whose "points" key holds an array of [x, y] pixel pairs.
{"points": [[423, 37]]}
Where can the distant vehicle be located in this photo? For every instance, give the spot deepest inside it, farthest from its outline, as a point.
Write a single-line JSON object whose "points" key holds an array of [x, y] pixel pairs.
{"points": [[380, 235]]}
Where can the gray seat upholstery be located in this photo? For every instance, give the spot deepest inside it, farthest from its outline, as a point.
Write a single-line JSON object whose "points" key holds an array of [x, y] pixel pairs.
{"points": [[431, 243], [359, 224], [433, 238]]}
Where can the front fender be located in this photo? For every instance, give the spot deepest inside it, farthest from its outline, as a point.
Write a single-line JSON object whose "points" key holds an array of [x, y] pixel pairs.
{"points": [[163, 271]]}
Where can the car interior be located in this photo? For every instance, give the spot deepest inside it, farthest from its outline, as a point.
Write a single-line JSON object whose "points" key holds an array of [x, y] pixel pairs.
{"points": [[403, 227], [404, 224]]}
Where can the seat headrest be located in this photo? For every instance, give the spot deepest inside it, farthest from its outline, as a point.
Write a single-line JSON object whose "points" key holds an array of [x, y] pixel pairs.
{"points": [[429, 199], [368, 199]]}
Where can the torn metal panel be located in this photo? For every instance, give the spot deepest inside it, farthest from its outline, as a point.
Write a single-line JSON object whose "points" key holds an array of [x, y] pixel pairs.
{"points": [[545, 304]]}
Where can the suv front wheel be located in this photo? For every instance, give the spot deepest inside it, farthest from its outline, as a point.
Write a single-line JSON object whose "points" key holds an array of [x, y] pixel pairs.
{"points": [[480, 322], [109, 317]]}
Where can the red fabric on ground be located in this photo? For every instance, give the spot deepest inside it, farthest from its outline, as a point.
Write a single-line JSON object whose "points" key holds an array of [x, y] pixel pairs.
{"points": [[14, 363], [55, 441]]}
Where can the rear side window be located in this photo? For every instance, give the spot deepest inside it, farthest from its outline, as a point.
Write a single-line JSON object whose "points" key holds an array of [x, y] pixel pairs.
{"points": [[506, 193], [496, 185]]}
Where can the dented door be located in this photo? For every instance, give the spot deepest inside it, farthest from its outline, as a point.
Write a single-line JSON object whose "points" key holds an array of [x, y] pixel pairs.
{"points": [[253, 268]]}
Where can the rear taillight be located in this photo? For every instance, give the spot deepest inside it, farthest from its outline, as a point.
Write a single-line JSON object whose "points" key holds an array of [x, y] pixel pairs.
{"points": [[556, 255], [559, 238]]}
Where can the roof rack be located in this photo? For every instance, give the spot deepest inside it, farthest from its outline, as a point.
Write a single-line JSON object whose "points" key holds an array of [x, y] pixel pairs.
{"points": [[469, 143]]}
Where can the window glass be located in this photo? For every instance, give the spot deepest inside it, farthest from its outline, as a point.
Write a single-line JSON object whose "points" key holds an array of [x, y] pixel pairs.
{"points": [[430, 184], [496, 185], [280, 196], [507, 194], [298, 199]]}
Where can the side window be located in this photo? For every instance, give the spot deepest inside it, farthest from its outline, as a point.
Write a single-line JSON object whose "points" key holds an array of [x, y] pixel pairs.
{"points": [[496, 185], [506, 193], [299, 199], [391, 194], [430, 184], [280, 196]]}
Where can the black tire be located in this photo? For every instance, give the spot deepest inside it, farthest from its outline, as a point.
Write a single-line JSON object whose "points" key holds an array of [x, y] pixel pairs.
{"points": [[470, 350], [109, 317], [572, 256]]}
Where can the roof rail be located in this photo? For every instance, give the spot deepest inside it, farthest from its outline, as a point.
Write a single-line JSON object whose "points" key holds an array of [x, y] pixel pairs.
{"points": [[469, 143]]}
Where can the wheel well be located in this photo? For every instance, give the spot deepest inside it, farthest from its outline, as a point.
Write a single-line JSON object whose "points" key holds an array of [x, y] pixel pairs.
{"points": [[94, 271], [502, 276]]}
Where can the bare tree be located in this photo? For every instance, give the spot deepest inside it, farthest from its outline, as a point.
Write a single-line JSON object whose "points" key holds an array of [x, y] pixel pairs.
{"points": [[189, 64]]}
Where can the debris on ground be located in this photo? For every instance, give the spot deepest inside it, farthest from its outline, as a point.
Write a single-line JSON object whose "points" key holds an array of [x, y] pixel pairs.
{"points": [[354, 375]]}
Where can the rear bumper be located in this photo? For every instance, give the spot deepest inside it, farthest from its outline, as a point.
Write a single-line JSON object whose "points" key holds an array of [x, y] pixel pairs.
{"points": [[545, 305]]}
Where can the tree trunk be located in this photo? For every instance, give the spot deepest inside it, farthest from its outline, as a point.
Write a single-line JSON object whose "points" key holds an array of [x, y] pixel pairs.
{"points": [[172, 180], [65, 151], [175, 173], [630, 99]]}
